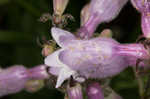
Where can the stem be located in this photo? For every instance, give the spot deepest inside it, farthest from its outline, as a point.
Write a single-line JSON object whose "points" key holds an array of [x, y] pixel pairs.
{"points": [[146, 94], [140, 84]]}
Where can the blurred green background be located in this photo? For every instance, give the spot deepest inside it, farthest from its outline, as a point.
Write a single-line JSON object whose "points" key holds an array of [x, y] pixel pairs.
{"points": [[19, 29]]}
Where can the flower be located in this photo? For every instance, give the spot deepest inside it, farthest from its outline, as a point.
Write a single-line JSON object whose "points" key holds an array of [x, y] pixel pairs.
{"points": [[12, 80], [143, 6], [94, 58], [99, 11]]}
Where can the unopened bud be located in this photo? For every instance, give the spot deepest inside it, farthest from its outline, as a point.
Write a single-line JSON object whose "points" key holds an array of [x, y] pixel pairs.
{"points": [[34, 85], [106, 33], [75, 92], [85, 14], [47, 49], [59, 6], [94, 91]]}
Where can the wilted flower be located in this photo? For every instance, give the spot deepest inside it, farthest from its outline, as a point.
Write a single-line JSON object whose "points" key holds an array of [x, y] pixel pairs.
{"points": [[12, 80], [94, 58], [100, 11]]}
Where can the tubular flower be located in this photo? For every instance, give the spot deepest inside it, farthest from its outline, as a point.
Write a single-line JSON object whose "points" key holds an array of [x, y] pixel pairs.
{"points": [[133, 52], [100, 11], [94, 58], [143, 6], [12, 80]]}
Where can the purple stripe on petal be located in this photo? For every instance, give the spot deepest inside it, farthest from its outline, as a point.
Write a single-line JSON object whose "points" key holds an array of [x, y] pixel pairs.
{"points": [[75, 92]]}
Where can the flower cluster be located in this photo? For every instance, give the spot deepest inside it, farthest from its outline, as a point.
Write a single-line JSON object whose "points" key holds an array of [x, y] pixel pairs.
{"points": [[82, 57]]}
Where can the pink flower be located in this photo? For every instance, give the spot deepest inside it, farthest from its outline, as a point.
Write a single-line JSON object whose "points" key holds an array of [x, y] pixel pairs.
{"points": [[143, 6], [97, 12], [94, 58], [12, 80]]}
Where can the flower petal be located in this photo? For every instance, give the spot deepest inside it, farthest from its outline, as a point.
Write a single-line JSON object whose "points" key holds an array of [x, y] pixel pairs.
{"points": [[62, 37], [64, 74], [54, 70], [138, 4], [53, 60]]}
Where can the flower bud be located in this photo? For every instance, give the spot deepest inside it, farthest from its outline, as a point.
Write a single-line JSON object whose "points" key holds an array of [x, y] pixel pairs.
{"points": [[48, 48], [12, 80], [85, 14], [59, 6], [38, 72], [34, 85], [94, 91], [106, 33], [75, 92]]}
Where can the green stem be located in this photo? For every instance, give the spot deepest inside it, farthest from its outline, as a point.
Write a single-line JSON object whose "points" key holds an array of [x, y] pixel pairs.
{"points": [[140, 83]]}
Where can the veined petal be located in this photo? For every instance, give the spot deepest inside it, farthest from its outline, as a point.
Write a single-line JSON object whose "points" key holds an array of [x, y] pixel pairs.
{"points": [[53, 60], [62, 37], [54, 70], [64, 74]]}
